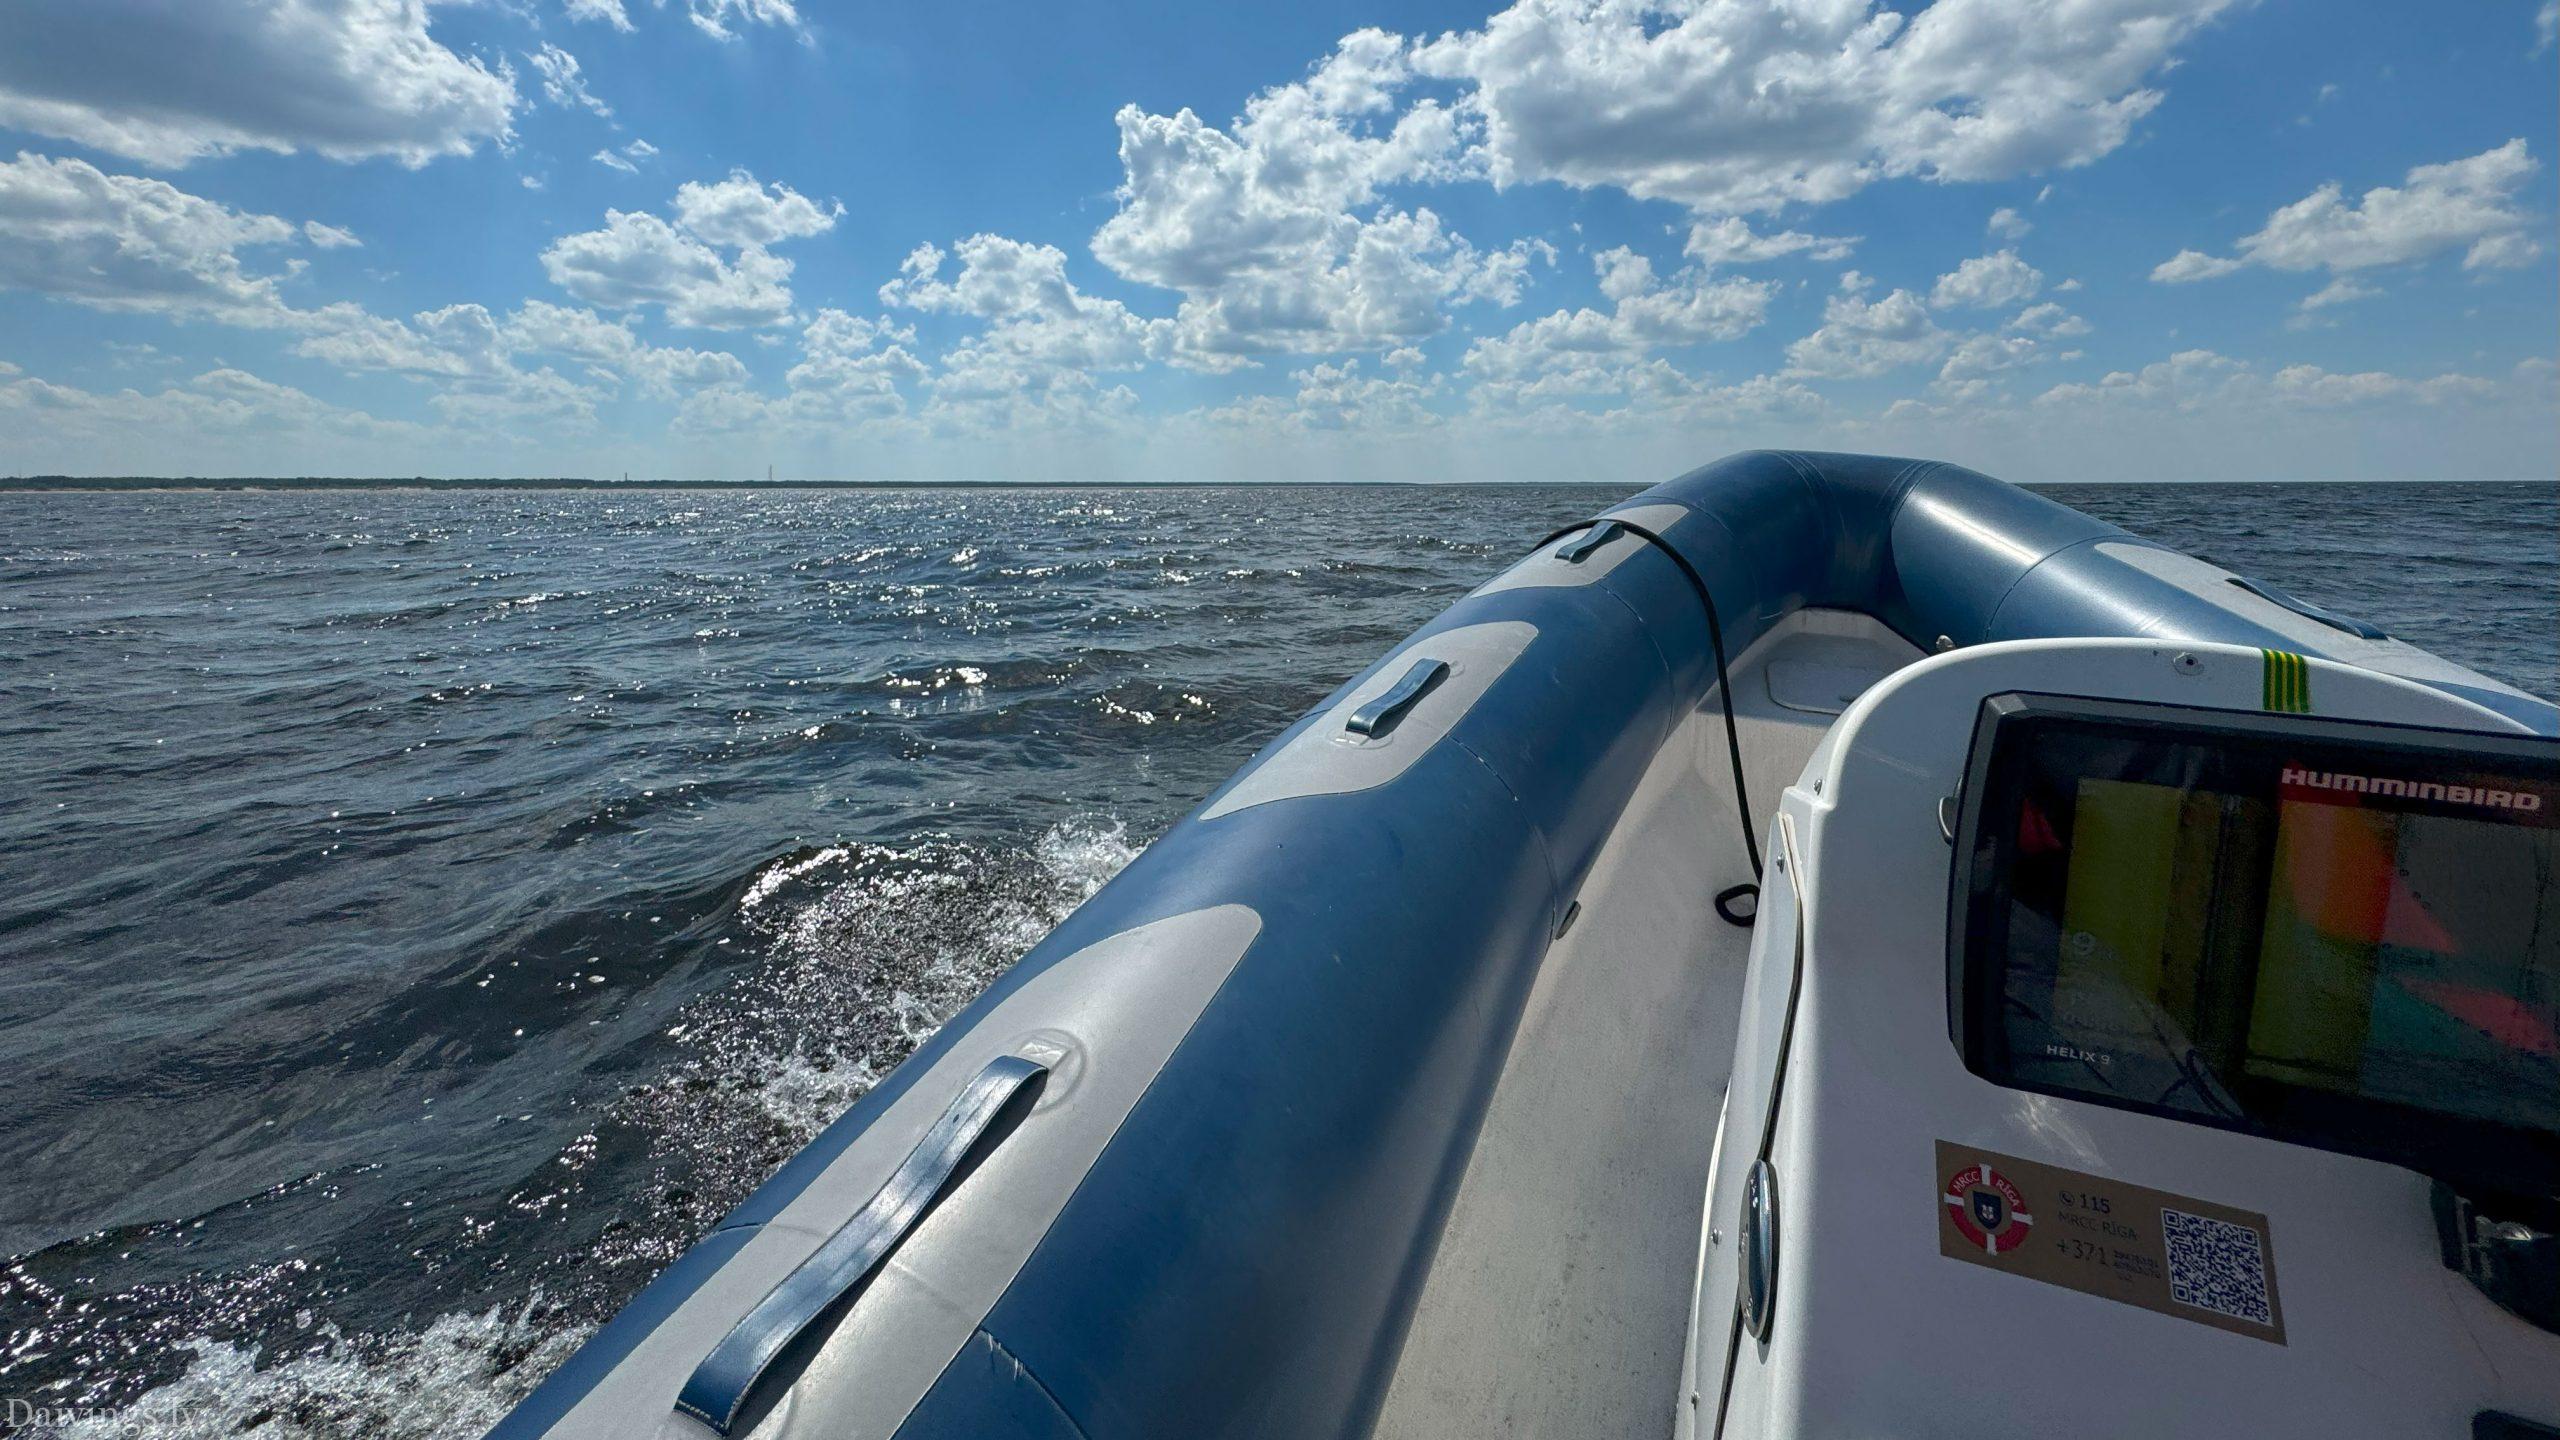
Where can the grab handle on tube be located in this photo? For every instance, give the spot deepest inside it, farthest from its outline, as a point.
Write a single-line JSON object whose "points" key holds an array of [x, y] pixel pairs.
{"points": [[1381, 714], [1601, 533], [720, 1385]]}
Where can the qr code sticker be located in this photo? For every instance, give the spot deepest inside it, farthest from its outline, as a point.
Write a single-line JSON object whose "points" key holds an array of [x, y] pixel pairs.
{"points": [[2216, 1265]]}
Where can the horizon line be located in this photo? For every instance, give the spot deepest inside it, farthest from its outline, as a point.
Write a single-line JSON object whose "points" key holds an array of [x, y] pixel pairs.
{"points": [[41, 484]]}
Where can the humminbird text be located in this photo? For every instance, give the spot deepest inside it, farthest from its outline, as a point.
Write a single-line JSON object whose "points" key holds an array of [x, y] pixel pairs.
{"points": [[2413, 789]]}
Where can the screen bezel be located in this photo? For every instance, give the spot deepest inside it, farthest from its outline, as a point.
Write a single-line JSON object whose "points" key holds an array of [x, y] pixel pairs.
{"points": [[2460, 1149]]}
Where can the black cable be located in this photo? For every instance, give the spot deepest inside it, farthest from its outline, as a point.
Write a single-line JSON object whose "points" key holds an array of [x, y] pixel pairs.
{"points": [[1715, 638]]}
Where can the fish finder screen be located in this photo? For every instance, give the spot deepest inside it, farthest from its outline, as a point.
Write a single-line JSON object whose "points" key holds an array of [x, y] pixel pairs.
{"points": [[2347, 939]]}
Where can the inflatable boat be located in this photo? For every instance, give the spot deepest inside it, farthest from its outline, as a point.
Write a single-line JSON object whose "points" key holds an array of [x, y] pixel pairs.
{"points": [[1831, 946]]}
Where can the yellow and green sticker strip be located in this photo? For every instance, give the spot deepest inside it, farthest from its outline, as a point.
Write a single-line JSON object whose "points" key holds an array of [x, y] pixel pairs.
{"points": [[2287, 686]]}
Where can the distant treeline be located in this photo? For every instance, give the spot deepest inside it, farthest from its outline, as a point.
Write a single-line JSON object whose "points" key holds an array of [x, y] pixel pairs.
{"points": [[564, 482], [282, 482], [567, 482]]}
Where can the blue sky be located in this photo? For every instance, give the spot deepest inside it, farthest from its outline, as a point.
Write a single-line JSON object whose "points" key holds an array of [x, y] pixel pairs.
{"points": [[2116, 239]]}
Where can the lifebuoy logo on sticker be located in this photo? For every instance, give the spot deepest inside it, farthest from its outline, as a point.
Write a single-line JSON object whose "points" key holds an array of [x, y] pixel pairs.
{"points": [[1988, 1209]]}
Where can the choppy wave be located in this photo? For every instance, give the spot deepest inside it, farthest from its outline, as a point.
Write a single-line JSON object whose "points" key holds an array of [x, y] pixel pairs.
{"points": [[869, 950], [455, 1377], [874, 948]]}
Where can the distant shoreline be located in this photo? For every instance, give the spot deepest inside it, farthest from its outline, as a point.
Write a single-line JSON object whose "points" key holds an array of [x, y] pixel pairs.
{"points": [[149, 484]]}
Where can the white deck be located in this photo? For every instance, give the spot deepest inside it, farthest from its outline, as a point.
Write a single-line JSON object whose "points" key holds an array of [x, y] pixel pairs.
{"points": [[1558, 1302]]}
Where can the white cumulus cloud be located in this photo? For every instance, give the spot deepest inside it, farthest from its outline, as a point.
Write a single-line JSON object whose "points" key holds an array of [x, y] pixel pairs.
{"points": [[2468, 205], [1732, 241], [2345, 290], [479, 359], [610, 347], [1861, 337], [2192, 265], [1034, 314], [638, 259], [122, 242], [1338, 397], [1645, 316], [167, 83], [1978, 359], [738, 211], [222, 421], [544, 328], [1272, 229], [1733, 108], [848, 382], [1987, 282], [2194, 381], [608, 12], [2049, 320], [455, 342], [856, 364]]}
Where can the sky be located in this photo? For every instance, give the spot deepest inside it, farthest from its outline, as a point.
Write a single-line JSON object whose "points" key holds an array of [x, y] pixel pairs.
{"points": [[693, 239]]}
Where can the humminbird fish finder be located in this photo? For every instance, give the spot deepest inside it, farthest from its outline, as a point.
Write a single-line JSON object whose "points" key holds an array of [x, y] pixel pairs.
{"points": [[2333, 933]]}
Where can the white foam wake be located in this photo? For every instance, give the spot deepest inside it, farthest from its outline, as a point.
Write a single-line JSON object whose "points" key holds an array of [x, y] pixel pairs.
{"points": [[873, 949], [457, 1377]]}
